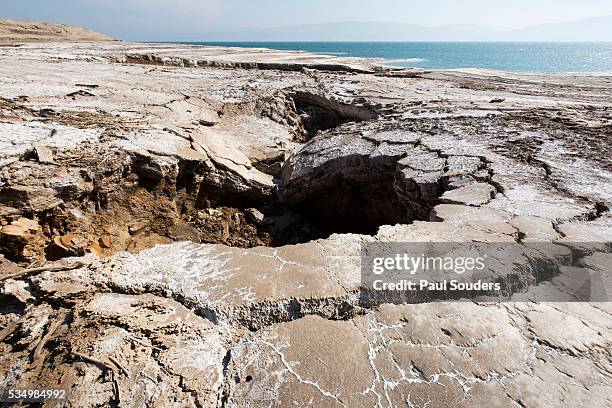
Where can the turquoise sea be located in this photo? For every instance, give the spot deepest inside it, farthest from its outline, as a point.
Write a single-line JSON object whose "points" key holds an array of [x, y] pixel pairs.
{"points": [[506, 56]]}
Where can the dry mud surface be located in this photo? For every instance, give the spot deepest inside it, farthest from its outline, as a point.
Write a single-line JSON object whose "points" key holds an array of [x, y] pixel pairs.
{"points": [[181, 226]]}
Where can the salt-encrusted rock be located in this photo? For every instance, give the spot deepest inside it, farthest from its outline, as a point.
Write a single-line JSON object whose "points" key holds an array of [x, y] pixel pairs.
{"points": [[134, 349], [445, 355], [474, 194], [535, 228], [236, 150], [599, 230]]}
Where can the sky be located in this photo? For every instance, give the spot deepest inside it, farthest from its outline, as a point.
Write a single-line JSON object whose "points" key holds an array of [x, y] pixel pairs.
{"points": [[160, 20]]}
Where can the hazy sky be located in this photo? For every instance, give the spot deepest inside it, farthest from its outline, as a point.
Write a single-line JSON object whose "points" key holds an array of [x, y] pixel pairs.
{"points": [[169, 19]]}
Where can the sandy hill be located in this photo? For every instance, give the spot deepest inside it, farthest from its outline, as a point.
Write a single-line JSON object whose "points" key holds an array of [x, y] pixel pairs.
{"points": [[20, 31]]}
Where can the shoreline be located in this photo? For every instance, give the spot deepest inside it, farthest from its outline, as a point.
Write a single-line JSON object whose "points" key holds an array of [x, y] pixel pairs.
{"points": [[429, 57], [319, 57]]}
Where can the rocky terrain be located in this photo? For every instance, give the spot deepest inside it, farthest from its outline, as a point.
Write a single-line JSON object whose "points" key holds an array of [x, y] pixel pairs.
{"points": [[182, 225], [13, 32]]}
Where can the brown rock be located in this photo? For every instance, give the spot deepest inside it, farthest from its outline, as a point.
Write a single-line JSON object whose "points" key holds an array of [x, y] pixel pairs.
{"points": [[104, 241], [22, 241]]}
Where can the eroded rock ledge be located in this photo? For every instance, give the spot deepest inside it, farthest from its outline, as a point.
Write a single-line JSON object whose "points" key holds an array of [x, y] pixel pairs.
{"points": [[242, 185]]}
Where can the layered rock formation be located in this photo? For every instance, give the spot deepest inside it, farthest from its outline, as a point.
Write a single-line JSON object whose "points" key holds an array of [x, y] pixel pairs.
{"points": [[182, 226]]}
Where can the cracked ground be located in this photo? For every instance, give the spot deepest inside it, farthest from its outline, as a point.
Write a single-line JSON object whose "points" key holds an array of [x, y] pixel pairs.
{"points": [[181, 226]]}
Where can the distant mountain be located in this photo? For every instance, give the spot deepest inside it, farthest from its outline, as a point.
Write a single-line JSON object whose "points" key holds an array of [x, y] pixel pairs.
{"points": [[593, 29], [25, 31]]}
